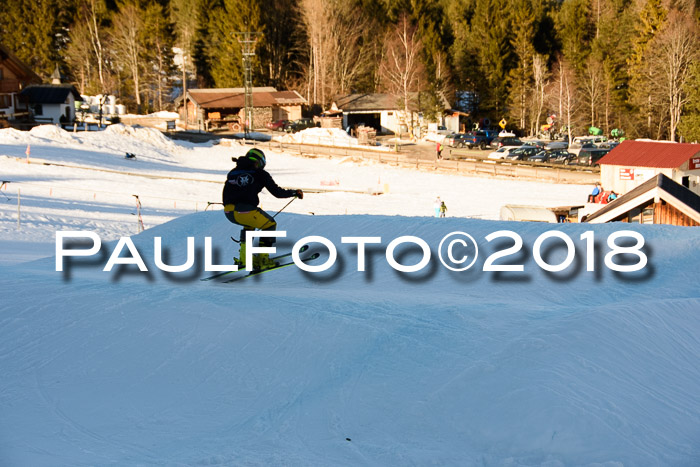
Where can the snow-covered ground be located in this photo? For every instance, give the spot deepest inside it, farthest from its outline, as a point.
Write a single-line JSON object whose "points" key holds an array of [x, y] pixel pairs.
{"points": [[342, 367]]}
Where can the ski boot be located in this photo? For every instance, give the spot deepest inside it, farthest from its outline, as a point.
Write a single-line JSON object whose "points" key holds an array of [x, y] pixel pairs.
{"points": [[240, 261], [263, 261]]}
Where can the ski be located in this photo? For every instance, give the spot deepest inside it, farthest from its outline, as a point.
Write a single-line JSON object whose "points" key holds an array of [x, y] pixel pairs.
{"points": [[279, 266], [273, 258]]}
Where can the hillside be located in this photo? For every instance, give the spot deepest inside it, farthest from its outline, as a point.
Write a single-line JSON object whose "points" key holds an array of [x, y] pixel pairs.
{"points": [[348, 367]]}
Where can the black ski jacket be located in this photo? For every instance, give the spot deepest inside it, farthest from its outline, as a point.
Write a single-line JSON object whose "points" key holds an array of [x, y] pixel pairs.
{"points": [[244, 185]]}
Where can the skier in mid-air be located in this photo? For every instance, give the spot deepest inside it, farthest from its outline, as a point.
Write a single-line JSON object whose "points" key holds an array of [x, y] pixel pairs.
{"points": [[240, 196]]}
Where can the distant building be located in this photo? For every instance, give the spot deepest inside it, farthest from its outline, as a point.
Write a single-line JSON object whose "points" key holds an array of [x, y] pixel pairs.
{"points": [[210, 108], [386, 113], [658, 200], [14, 77], [632, 163]]}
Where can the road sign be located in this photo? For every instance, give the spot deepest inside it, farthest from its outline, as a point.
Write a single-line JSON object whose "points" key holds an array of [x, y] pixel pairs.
{"points": [[502, 123]]}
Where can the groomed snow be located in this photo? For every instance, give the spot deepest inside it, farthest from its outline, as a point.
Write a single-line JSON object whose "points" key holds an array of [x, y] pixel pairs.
{"points": [[344, 367]]}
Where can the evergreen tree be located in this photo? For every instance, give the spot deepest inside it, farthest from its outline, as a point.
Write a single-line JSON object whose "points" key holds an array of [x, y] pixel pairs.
{"points": [[689, 126], [575, 32], [227, 22], [35, 32]]}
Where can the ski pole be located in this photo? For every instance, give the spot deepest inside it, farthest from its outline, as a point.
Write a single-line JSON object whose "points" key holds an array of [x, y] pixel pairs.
{"points": [[283, 208]]}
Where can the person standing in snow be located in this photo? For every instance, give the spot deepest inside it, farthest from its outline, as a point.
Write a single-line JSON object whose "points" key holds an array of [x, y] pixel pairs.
{"points": [[438, 150], [443, 209], [436, 206], [240, 196]]}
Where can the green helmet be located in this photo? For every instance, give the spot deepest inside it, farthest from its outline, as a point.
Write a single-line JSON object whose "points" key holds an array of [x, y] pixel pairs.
{"points": [[257, 157]]}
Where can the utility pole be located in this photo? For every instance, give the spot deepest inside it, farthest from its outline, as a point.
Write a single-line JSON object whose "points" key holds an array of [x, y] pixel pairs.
{"points": [[247, 40]]}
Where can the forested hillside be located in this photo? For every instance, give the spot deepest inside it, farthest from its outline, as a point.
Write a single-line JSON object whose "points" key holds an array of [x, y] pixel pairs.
{"points": [[629, 64]]}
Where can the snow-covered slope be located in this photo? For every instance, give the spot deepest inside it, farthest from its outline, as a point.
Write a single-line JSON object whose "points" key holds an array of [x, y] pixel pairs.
{"points": [[471, 368], [342, 367]]}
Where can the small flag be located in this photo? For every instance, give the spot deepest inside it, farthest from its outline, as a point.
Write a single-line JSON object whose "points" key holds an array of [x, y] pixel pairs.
{"points": [[27, 152]]}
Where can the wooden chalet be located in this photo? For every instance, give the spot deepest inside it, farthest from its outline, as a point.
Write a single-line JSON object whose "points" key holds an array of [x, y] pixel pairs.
{"points": [[219, 107], [659, 200], [14, 77]]}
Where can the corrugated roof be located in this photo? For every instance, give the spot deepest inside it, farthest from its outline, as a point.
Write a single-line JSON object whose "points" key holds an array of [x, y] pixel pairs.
{"points": [[651, 154], [235, 98], [372, 102], [49, 93]]}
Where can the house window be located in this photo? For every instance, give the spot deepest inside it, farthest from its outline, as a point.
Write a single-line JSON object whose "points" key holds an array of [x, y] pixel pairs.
{"points": [[38, 109], [5, 101]]}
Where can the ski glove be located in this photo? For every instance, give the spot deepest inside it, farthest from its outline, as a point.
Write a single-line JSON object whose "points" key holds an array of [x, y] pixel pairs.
{"points": [[300, 194]]}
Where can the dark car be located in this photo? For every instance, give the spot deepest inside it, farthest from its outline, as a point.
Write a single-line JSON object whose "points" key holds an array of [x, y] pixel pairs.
{"points": [[277, 125], [548, 156], [300, 124], [562, 156], [456, 140], [591, 156], [501, 141], [522, 153], [557, 145]]}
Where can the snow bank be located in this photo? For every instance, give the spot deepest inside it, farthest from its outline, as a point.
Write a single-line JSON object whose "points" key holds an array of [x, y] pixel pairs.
{"points": [[151, 136], [13, 136], [321, 136], [53, 133]]}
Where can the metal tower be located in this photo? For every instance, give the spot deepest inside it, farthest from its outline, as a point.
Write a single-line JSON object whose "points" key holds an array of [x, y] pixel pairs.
{"points": [[247, 40]]}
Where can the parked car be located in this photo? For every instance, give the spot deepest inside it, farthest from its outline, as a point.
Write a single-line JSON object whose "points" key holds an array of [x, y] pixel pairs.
{"points": [[562, 156], [480, 138], [557, 145], [456, 140], [521, 153], [549, 155], [577, 146], [535, 142], [501, 141], [609, 144], [591, 156], [277, 125], [300, 124], [502, 153]]}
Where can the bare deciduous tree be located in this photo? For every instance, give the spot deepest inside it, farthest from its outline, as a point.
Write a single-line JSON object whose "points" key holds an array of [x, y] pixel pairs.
{"points": [[127, 42], [93, 13], [593, 87], [669, 60], [563, 94], [540, 80], [401, 70]]}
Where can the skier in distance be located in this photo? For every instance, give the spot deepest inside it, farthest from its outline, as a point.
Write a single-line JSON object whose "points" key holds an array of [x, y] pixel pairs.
{"points": [[240, 198]]}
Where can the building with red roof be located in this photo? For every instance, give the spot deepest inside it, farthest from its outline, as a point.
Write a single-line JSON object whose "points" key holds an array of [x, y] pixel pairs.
{"points": [[632, 163]]}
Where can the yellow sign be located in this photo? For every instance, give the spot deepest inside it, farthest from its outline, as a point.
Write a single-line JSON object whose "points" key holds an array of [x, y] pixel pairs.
{"points": [[502, 123]]}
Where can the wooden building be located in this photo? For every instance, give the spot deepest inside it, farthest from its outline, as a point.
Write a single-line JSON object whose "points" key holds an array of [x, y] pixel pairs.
{"points": [[14, 76], [386, 113], [659, 200], [633, 163], [219, 107]]}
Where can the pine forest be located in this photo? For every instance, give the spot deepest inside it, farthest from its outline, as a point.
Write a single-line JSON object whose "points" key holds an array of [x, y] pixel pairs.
{"points": [[609, 64]]}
